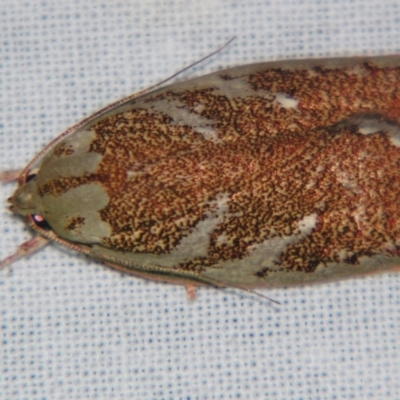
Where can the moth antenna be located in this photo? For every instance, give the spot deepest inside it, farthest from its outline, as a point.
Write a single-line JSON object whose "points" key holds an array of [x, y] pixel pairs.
{"points": [[187, 68], [212, 280], [260, 295], [10, 175]]}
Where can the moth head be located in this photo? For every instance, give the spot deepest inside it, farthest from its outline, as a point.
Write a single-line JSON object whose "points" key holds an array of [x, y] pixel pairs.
{"points": [[26, 199]]}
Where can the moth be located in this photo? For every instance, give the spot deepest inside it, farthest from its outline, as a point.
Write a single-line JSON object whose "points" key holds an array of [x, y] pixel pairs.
{"points": [[265, 175]]}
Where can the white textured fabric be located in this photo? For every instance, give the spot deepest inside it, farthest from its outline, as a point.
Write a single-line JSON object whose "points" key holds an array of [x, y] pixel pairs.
{"points": [[73, 329]]}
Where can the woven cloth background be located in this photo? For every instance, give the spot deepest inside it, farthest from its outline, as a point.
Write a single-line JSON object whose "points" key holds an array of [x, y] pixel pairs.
{"points": [[73, 329]]}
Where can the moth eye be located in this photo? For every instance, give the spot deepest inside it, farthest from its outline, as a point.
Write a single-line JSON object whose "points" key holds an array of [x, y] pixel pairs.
{"points": [[30, 177], [41, 222]]}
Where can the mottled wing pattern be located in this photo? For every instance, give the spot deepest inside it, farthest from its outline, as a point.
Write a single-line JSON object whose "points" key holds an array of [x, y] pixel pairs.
{"points": [[255, 176]]}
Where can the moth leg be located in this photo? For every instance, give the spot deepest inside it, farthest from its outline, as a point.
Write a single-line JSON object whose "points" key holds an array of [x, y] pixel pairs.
{"points": [[10, 176], [24, 250], [191, 292]]}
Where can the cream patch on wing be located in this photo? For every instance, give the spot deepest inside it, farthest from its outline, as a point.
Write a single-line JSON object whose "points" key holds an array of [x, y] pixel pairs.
{"points": [[72, 166], [80, 141], [183, 116], [371, 124], [308, 223], [236, 87], [358, 70], [84, 203], [265, 254], [77, 143], [197, 243], [286, 101], [240, 88]]}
